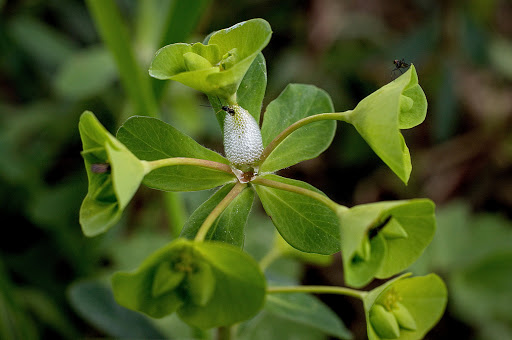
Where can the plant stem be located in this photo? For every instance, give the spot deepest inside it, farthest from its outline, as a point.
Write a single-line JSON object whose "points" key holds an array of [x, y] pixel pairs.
{"points": [[152, 165], [298, 190], [114, 34], [208, 222], [318, 290], [224, 333], [269, 257], [298, 124]]}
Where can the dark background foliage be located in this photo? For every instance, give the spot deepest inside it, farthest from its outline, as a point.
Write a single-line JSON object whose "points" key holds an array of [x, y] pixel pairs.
{"points": [[54, 65]]}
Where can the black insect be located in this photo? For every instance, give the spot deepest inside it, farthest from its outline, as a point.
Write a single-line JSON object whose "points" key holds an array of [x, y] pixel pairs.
{"points": [[100, 168], [399, 65], [229, 110]]}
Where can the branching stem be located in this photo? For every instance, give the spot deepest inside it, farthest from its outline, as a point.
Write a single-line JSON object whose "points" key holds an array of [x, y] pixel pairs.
{"points": [[208, 222], [318, 290], [300, 123], [298, 190], [160, 163]]}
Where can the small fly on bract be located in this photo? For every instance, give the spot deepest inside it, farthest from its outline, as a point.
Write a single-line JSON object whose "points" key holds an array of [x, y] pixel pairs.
{"points": [[100, 168], [399, 65]]}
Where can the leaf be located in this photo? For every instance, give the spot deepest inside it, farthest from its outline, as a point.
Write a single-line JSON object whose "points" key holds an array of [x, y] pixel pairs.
{"points": [[85, 74], [229, 226], [115, 35], [307, 310], [151, 139], [303, 222], [297, 101], [217, 68], [424, 297], [481, 291], [44, 44], [236, 278], [95, 303], [389, 254], [379, 117], [250, 93], [286, 250], [112, 188]]}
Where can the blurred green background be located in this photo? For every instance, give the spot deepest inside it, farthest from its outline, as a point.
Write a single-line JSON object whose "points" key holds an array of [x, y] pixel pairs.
{"points": [[56, 60]]}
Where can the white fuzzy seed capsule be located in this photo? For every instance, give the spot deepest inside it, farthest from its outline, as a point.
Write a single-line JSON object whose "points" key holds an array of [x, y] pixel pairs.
{"points": [[242, 137]]}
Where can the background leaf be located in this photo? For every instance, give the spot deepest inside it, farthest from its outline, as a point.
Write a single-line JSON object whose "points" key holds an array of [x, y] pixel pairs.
{"points": [[297, 101], [303, 222], [115, 35], [94, 301], [307, 310], [151, 139], [95, 70], [229, 227]]}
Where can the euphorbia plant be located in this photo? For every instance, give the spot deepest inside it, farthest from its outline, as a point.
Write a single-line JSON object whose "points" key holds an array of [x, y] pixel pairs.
{"points": [[205, 276]]}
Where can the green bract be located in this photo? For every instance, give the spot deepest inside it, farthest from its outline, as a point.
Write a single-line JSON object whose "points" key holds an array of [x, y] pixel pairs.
{"points": [[405, 307], [217, 68], [114, 175], [382, 239], [208, 284], [379, 118]]}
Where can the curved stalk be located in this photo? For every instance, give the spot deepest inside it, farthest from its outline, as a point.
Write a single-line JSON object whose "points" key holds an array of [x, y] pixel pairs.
{"points": [[298, 124], [269, 258], [208, 222], [318, 290], [160, 163], [298, 190]]}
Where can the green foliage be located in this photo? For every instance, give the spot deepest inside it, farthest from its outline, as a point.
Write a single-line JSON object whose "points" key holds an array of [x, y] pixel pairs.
{"points": [[303, 222], [217, 277], [94, 301], [307, 310], [203, 275]]}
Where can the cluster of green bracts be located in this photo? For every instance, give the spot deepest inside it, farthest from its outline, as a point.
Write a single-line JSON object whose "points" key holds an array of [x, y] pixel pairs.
{"points": [[204, 275]]}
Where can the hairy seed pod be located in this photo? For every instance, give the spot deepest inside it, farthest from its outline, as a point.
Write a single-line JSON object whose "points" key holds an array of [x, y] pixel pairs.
{"points": [[242, 137]]}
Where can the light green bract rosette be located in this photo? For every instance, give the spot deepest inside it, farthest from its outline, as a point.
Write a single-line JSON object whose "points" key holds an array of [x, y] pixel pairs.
{"points": [[218, 67], [114, 175], [405, 308], [379, 118], [209, 284], [382, 239]]}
